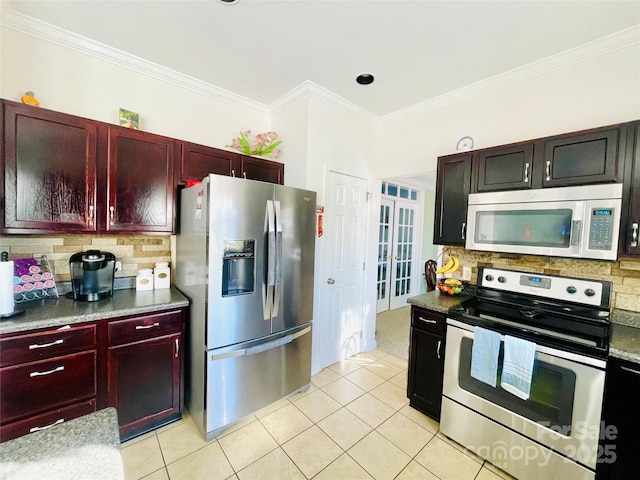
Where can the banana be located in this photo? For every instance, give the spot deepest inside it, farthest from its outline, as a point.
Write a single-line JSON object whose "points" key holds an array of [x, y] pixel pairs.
{"points": [[455, 266], [447, 267], [453, 282]]}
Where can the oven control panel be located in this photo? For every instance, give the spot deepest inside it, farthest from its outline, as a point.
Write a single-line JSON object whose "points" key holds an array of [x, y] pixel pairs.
{"points": [[586, 292]]}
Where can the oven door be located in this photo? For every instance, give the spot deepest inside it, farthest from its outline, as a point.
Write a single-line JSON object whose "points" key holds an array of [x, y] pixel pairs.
{"points": [[564, 408], [545, 228]]}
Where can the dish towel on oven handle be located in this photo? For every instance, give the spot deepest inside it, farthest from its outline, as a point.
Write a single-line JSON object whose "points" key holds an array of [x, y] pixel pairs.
{"points": [[517, 366], [484, 355]]}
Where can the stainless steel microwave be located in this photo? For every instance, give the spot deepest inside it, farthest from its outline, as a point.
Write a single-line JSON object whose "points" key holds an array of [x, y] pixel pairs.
{"points": [[577, 222]]}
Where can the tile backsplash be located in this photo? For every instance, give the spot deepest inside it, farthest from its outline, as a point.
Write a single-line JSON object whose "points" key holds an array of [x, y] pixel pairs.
{"points": [[623, 273], [134, 251]]}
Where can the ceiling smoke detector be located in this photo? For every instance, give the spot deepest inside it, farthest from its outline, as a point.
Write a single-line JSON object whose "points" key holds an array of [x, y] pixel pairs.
{"points": [[364, 79]]}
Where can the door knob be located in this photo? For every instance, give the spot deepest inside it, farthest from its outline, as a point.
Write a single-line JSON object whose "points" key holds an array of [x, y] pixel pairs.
{"points": [[330, 281]]}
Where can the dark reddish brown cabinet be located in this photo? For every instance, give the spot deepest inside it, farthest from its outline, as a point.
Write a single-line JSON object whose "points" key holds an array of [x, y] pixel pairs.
{"points": [[46, 377], [630, 224], [141, 182], [198, 161], [582, 158], [452, 194], [426, 361], [260, 169], [144, 378], [49, 171], [504, 168]]}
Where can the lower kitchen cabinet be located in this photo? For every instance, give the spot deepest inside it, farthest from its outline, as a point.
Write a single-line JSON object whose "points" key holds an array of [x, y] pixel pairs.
{"points": [[144, 371], [619, 447], [426, 361]]}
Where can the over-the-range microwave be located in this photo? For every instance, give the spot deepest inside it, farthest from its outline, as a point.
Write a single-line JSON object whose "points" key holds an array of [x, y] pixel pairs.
{"points": [[576, 222]]}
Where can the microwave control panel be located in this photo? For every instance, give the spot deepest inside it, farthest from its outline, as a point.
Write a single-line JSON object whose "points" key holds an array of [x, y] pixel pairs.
{"points": [[601, 228]]}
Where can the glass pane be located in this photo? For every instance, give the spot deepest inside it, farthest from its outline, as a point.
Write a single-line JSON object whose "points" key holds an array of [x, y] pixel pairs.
{"points": [[409, 285], [414, 195], [382, 207], [386, 214], [384, 186], [404, 192], [541, 228], [392, 190]]}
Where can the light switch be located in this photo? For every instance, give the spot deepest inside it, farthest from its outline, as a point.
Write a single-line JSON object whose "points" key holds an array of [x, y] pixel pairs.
{"points": [[466, 273]]}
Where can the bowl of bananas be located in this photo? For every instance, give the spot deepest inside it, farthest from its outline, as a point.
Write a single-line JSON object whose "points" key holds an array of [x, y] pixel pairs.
{"points": [[450, 286]]}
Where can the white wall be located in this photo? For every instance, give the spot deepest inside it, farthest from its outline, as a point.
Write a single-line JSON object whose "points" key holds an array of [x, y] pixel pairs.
{"points": [[598, 91], [69, 81]]}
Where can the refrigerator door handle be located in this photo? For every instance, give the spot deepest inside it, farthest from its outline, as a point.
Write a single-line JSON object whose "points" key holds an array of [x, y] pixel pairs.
{"points": [[267, 304], [277, 293]]}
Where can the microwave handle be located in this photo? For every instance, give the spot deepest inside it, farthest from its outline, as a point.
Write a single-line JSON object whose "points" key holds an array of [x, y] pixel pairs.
{"points": [[576, 233]]}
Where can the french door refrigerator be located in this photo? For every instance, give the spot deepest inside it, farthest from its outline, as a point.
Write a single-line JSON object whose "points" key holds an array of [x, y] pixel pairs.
{"points": [[244, 258]]}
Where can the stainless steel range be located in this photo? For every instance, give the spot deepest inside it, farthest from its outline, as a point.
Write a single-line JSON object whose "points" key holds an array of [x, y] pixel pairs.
{"points": [[564, 322]]}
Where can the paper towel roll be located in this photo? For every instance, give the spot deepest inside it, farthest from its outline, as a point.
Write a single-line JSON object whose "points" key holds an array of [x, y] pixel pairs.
{"points": [[6, 288]]}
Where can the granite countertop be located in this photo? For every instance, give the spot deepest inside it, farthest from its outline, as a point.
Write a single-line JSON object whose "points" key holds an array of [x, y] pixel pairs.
{"points": [[85, 447], [55, 312], [625, 325]]}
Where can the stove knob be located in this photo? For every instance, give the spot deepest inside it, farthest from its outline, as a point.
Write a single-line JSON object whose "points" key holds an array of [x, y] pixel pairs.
{"points": [[589, 292], [502, 279], [571, 289], [489, 278]]}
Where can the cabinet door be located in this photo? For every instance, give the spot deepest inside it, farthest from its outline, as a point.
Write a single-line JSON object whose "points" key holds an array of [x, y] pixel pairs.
{"points": [[506, 168], [50, 171], [618, 457], [582, 158], [141, 182], [452, 192], [263, 170], [198, 161], [144, 383], [630, 234], [426, 370]]}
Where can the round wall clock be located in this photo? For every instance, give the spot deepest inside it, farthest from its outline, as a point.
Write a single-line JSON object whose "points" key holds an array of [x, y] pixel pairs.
{"points": [[465, 143]]}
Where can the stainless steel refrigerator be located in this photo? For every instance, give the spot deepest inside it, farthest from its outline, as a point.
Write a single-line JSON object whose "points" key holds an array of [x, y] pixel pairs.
{"points": [[245, 254]]}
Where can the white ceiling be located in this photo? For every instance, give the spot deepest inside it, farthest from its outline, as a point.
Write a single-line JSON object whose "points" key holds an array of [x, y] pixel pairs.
{"points": [[417, 50]]}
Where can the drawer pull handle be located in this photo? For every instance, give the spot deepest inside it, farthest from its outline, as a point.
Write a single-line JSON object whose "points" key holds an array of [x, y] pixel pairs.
{"points": [[37, 429], [428, 320], [38, 374], [177, 348], [548, 171], [144, 327], [60, 341], [438, 349]]}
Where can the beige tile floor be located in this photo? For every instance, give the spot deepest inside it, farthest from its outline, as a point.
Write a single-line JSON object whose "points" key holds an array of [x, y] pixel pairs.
{"points": [[354, 422]]}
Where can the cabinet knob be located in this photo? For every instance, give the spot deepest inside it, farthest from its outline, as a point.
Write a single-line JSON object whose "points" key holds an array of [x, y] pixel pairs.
{"points": [[330, 281], [548, 170], [634, 234], [112, 214], [464, 228], [233, 173], [90, 219], [526, 172]]}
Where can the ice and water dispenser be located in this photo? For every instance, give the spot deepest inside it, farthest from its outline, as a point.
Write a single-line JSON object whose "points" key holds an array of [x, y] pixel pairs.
{"points": [[238, 267]]}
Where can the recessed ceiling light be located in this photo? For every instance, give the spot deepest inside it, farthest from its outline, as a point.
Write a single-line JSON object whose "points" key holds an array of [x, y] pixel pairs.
{"points": [[364, 79], [228, 2]]}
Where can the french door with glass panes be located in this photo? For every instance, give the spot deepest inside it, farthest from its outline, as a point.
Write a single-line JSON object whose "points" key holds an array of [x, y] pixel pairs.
{"points": [[396, 252]]}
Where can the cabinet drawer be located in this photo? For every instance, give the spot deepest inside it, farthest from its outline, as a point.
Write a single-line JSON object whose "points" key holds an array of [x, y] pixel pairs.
{"points": [[51, 343], [147, 326], [40, 386], [428, 320], [46, 420]]}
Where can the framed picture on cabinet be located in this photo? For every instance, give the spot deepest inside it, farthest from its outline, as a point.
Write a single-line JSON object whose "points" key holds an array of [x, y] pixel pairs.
{"points": [[129, 119]]}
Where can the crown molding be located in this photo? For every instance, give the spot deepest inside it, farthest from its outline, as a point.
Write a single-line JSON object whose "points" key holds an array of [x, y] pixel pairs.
{"points": [[50, 33], [308, 89], [615, 41]]}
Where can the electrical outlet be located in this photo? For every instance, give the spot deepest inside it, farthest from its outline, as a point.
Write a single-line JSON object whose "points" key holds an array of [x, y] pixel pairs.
{"points": [[118, 266], [466, 273]]}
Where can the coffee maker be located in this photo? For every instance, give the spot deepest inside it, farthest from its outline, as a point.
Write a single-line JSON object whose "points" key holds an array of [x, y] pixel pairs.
{"points": [[92, 275]]}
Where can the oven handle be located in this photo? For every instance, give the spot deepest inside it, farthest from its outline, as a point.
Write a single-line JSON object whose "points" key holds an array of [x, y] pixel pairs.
{"points": [[594, 362]]}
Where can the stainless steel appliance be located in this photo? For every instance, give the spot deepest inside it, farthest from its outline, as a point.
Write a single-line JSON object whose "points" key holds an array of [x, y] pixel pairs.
{"points": [[554, 433], [92, 275], [579, 222], [245, 259]]}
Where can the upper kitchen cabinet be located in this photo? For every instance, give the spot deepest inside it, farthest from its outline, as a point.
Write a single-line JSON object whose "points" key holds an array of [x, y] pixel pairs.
{"points": [[198, 161], [582, 158], [259, 169], [504, 168], [49, 171], [141, 182], [630, 224], [452, 192]]}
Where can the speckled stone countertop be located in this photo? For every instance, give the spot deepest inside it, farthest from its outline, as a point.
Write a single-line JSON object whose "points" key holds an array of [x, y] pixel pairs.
{"points": [[82, 448], [55, 312], [625, 325]]}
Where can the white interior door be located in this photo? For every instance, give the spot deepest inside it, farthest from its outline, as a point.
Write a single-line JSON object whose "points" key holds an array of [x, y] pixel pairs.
{"points": [[403, 257], [345, 222], [385, 237]]}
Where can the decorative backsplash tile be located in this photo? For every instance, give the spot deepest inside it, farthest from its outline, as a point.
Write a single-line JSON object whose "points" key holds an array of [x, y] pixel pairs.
{"points": [[134, 251], [623, 273]]}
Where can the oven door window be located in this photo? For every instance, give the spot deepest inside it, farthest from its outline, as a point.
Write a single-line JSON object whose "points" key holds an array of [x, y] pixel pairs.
{"points": [[552, 389], [537, 228]]}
